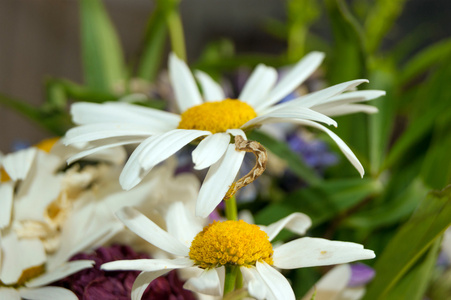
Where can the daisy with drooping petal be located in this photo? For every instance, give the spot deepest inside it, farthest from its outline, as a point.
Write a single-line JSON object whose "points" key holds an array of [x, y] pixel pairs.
{"points": [[230, 244], [215, 119]]}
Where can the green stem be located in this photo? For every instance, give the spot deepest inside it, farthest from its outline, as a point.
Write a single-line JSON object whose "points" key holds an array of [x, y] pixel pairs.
{"points": [[231, 211], [230, 278], [176, 34], [239, 280]]}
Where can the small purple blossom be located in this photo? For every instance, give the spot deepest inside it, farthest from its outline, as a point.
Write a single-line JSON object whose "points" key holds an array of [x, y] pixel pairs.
{"points": [[315, 153], [361, 274], [92, 284]]}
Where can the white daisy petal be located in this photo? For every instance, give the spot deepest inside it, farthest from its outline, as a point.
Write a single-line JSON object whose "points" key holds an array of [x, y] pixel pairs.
{"points": [[93, 132], [218, 180], [133, 173], [331, 285], [255, 283], [103, 147], [309, 252], [207, 283], [90, 113], [167, 144], [351, 97], [185, 88], [148, 265], [316, 98], [348, 109], [301, 71], [47, 292], [343, 147], [300, 113], [276, 282], [212, 91], [258, 85], [9, 293], [181, 224], [18, 164], [236, 132], [296, 222], [148, 230], [61, 272], [210, 150], [18, 255], [142, 282], [6, 196]]}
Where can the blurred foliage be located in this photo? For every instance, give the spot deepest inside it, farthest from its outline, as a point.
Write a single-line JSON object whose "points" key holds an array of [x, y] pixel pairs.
{"points": [[404, 148]]}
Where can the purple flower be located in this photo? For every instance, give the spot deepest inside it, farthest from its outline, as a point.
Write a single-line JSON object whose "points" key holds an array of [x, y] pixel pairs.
{"points": [[93, 284], [361, 274]]}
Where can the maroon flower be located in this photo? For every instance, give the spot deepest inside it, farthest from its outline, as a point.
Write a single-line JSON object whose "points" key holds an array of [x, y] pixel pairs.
{"points": [[94, 284]]}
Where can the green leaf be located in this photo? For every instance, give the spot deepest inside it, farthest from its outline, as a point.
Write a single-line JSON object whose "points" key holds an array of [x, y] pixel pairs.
{"points": [[380, 20], [391, 212], [331, 198], [293, 160], [436, 170], [433, 55], [413, 239], [414, 284], [347, 61], [301, 14], [154, 42], [101, 51]]}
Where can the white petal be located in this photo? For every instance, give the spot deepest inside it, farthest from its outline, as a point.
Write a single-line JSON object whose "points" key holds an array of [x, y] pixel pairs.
{"points": [[9, 293], [301, 71], [218, 180], [236, 132], [46, 293], [61, 272], [153, 151], [296, 222], [182, 224], [93, 132], [309, 252], [258, 85], [117, 112], [6, 198], [210, 150], [19, 255], [148, 230], [167, 144], [332, 284], [18, 164], [142, 282], [207, 283], [212, 91], [351, 97], [276, 282], [148, 265], [255, 284], [316, 98], [186, 92], [300, 113], [348, 109], [96, 152], [343, 147]]}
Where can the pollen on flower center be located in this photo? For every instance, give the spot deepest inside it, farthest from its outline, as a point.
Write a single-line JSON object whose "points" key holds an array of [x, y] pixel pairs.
{"points": [[217, 116], [231, 243]]}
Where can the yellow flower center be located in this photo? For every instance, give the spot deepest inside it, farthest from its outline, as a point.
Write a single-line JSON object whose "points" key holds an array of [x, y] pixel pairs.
{"points": [[230, 243], [4, 177], [217, 116], [47, 144]]}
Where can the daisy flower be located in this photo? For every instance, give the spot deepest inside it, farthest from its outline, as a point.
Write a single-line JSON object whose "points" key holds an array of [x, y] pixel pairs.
{"points": [[215, 119], [230, 244]]}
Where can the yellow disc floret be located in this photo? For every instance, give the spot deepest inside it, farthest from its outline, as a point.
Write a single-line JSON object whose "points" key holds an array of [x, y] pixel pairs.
{"points": [[230, 243], [217, 116]]}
